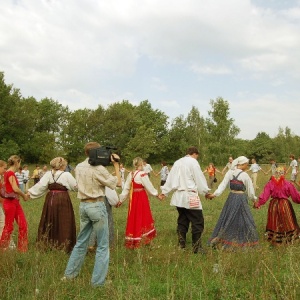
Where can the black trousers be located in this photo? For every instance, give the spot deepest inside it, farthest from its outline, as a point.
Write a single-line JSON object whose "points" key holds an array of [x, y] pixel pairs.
{"points": [[187, 216]]}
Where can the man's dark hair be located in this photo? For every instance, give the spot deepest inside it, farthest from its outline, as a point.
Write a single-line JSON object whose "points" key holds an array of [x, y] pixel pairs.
{"points": [[192, 150]]}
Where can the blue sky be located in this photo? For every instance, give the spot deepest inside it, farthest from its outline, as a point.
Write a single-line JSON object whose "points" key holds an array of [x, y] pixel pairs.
{"points": [[176, 54]]}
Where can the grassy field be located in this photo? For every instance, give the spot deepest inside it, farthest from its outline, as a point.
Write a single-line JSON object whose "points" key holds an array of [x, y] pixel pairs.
{"points": [[161, 271]]}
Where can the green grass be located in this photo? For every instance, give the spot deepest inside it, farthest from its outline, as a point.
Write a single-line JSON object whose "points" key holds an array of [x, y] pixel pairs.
{"points": [[161, 271]]}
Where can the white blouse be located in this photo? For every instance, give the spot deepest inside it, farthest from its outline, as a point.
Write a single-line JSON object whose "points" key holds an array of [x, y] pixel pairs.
{"points": [[244, 177], [64, 178], [144, 180]]}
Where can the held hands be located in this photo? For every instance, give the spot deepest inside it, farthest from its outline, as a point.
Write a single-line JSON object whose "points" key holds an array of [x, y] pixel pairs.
{"points": [[119, 204], [161, 197], [209, 196], [256, 205], [26, 197]]}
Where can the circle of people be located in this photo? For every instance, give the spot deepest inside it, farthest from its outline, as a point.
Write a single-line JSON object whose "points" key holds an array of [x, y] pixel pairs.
{"points": [[96, 190]]}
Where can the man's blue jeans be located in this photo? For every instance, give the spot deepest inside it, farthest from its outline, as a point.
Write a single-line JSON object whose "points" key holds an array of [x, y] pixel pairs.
{"points": [[93, 238], [93, 216]]}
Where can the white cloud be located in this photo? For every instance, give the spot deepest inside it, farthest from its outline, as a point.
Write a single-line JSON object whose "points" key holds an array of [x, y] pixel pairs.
{"points": [[210, 70], [265, 113], [158, 84], [83, 53]]}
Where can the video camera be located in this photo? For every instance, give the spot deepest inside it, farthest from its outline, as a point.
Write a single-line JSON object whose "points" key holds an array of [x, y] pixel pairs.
{"points": [[101, 156]]}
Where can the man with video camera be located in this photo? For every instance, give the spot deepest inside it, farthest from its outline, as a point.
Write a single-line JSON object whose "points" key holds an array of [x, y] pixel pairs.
{"points": [[91, 182]]}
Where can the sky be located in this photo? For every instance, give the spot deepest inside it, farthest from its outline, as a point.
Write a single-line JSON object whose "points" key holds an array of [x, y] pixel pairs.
{"points": [[176, 54]]}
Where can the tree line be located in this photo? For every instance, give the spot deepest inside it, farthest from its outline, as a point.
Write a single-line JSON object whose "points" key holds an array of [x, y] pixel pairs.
{"points": [[41, 130]]}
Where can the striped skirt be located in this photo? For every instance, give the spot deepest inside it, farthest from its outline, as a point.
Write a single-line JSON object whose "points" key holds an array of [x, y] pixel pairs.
{"points": [[282, 225]]}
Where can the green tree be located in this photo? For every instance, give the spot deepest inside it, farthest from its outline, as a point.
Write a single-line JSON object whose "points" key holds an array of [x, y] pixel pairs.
{"points": [[285, 143], [196, 134], [9, 111], [15, 120], [49, 120], [221, 131], [261, 148], [119, 125], [177, 135], [8, 148], [76, 132], [157, 121], [143, 144]]}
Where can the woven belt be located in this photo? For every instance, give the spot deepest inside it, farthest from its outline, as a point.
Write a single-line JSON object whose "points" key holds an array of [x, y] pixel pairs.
{"points": [[138, 190], [93, 200], [237, 192]]}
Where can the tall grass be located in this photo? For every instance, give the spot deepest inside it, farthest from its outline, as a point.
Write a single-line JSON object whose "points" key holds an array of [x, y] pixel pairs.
{"points": [[160, 271]]}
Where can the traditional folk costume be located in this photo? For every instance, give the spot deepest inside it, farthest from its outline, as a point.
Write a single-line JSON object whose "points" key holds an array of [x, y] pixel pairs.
{"points": [[282, 225], [57, 226], [236, 227], [140, 224], [188, 182], [13, 212]]}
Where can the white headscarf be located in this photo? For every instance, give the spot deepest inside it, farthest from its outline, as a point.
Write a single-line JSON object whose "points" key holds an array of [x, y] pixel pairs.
{"points": [[240, 161]]}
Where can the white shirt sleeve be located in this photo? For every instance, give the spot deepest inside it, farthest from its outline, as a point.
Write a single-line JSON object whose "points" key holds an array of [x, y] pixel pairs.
{"points": [[148, 185], [126, 188], [40, 188], [200, 179], [244, 177], [70, 183], [66, 179], [140, 178], [249, 186], [224, 183], [111, 196]]}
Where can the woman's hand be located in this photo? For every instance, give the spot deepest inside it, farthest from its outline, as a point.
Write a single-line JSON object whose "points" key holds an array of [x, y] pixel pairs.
{"points": [[119, 204], [26, 197], [256, 205], [209, 196], [161, 197]]}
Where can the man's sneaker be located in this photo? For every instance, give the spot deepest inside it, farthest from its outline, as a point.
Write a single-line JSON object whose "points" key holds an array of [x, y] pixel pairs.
{"points": [[65, 279]]}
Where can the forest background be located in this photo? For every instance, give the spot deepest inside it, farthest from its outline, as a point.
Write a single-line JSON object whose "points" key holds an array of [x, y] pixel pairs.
{"points": [[40, 130]]}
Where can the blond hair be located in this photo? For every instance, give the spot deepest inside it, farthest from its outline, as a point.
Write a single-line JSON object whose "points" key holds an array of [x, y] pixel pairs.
{"points": [[58, 162], [13, 160], [137, 162]]}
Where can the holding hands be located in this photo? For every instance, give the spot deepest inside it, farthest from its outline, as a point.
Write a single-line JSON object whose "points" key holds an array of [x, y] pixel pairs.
{"points": [[255, 205], [26, 197], [161, 197], [119, 204], [209, 196]]}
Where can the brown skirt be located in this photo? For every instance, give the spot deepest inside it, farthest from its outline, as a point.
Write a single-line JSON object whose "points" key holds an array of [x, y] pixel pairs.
{"points": [[57, 228], [282, 225]]}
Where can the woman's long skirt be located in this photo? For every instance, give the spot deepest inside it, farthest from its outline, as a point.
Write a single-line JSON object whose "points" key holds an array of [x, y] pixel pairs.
{"points": [[57, 228], [140, 228], [235, 227], [282, 225]]}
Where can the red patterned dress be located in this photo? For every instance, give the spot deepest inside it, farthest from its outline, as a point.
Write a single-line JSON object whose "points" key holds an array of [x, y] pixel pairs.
{"points": [[282, 225], [140, 228]]}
